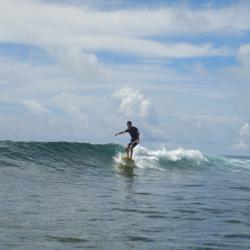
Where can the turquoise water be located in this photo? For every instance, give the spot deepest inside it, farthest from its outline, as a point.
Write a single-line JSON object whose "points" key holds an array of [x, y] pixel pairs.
{"points": [[77, 196]]}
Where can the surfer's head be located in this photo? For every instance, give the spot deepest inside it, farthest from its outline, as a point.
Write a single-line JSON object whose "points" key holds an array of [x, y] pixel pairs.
{"points": [[129, 124]]}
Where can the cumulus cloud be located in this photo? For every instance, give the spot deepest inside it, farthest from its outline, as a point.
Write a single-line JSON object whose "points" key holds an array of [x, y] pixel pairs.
{"points": [[244, 138], [133, 104], [35, 107], [245, 130]]}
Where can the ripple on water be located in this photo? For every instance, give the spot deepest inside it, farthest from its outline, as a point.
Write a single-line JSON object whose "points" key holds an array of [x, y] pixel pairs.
{"points": [[137, 211], [140, 238], [193, 185], [194, 218], [233, 221], [198, 203], [151, 230], [143, 193], [155, 216], [186, 211], [240, 188], [216, 210], [66, 239], [239, 236]]}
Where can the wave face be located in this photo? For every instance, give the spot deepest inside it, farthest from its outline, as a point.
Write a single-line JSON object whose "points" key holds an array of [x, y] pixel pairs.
{"points": [[56, 153], [61, 154]]}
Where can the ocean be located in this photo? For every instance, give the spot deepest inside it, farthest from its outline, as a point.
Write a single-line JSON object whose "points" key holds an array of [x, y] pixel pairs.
{"points": [[61, 195]]}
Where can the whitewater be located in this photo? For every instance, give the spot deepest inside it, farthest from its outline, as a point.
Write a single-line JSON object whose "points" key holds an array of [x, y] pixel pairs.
{"points": [[62, 195]]}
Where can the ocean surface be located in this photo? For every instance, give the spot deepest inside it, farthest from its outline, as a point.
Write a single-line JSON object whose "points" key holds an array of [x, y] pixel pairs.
{"points": [[79, 196]]}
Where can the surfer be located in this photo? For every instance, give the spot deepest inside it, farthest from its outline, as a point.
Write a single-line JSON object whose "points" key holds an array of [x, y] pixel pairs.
{"points": [[135, 138]]}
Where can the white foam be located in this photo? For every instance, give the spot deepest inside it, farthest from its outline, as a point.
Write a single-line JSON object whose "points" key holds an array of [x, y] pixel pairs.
{"points": [[150, 158], [172, 155], [145, 158], [118, 158]]}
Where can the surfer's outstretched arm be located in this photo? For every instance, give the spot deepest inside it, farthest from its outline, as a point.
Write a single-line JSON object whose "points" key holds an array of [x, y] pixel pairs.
{"points": [[122, 132]]}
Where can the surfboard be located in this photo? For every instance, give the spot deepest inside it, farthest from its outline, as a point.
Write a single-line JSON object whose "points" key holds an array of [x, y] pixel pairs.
{"points": [[128, 162]]}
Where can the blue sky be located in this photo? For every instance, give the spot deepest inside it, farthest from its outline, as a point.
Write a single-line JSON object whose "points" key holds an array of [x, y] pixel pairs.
{"points": [[78, 70]]}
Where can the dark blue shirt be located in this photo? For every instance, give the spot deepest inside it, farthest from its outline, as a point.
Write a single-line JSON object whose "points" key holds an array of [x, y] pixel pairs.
{"points": [[134, 133]]}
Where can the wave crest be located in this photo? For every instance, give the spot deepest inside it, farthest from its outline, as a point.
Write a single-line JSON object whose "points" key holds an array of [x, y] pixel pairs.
{"points": [[166, 158]]}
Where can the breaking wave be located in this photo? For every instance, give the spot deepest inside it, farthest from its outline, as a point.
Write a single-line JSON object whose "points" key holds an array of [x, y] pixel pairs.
{"points": [[66, 154]]}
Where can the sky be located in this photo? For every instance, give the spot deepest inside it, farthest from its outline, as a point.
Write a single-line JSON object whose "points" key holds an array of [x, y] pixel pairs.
{"points": [[77, 70]]}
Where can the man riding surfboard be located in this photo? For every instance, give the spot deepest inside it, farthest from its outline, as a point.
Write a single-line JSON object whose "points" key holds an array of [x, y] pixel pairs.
{"points": [[135, 138]]}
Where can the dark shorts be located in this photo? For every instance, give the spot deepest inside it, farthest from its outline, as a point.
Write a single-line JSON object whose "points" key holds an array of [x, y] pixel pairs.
{"points": [[132, 144]]}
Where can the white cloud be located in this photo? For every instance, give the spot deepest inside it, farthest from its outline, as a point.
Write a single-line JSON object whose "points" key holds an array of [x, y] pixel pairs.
{"points": [[131, 22], [128, 31], [244, 138], [35, 107], [133, 104], [78, 64], [149, 48], [244, 59], [240, 72], [245, 130], [239, 76]]}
